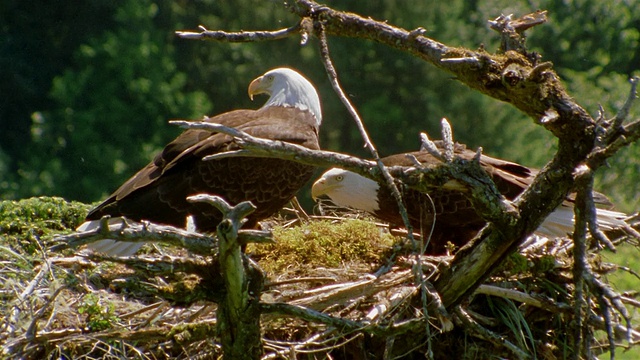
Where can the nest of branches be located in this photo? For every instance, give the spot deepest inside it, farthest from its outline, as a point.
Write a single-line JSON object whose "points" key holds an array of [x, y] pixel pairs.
{"points": [[370, 297]]}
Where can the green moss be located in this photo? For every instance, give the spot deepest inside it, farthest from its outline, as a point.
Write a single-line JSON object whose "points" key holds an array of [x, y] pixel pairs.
{"points": [[25, 222], [182, 333], [100, 314], [186, 288], [520, 265], [324, 244], [515, 264]]}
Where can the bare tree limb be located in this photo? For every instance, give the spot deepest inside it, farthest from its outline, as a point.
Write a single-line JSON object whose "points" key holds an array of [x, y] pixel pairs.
{"points": [[623, 113], [580, 266], [239, 312], [145, 231], [242, 36], [511, 30]]}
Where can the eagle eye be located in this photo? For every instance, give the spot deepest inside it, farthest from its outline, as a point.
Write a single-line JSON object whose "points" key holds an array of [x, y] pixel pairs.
{"points": [[339, 177]]}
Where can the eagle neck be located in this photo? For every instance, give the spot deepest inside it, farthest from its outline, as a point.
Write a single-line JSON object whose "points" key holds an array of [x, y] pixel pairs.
{"points": [[359, 193], [300, 96]]}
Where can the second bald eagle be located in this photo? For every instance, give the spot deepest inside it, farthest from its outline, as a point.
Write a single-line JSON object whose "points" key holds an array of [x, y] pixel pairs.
{"points": [[448, 210]]}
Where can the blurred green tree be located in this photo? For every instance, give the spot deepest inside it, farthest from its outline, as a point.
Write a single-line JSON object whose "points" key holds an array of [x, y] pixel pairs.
{"points": [[112, 108], [37, 42], [596, 49], [95, 104]]}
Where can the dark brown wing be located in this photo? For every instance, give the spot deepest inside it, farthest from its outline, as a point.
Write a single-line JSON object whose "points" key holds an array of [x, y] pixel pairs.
{"points": [[456, 221], [510, 178], [158, 192]]}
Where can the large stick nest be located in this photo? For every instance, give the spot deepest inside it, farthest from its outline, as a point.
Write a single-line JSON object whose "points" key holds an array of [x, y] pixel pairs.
{"points": [[337, 287]]}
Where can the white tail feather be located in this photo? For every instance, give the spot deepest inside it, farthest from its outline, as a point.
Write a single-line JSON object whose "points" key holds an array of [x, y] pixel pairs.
{"points": [[561, 222], [109, 246]]}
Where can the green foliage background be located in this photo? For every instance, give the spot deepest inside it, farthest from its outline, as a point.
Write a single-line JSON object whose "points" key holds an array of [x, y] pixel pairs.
{"points": [[88, 87]]}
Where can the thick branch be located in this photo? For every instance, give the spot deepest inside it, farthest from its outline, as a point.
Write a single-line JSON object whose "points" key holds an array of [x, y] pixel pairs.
{"points": [[128, 230], [238, 313], [258, 147], [141, 232], [510, 77], [580, 265]]}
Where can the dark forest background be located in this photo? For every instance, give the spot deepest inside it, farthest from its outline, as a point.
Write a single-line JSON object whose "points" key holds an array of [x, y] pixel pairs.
{"points": [[88, 87]]}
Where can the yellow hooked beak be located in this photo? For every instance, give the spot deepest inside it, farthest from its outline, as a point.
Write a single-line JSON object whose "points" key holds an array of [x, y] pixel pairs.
{"points": [[322, 187], [260, 85]]}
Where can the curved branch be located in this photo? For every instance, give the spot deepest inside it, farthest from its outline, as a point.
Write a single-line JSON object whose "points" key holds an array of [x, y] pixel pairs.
{"points": [[258, 147], [511, 77]]}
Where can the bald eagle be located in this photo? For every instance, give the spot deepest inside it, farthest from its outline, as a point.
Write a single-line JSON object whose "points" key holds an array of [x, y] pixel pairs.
{"points": [[447, 210], [158, 192]]}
